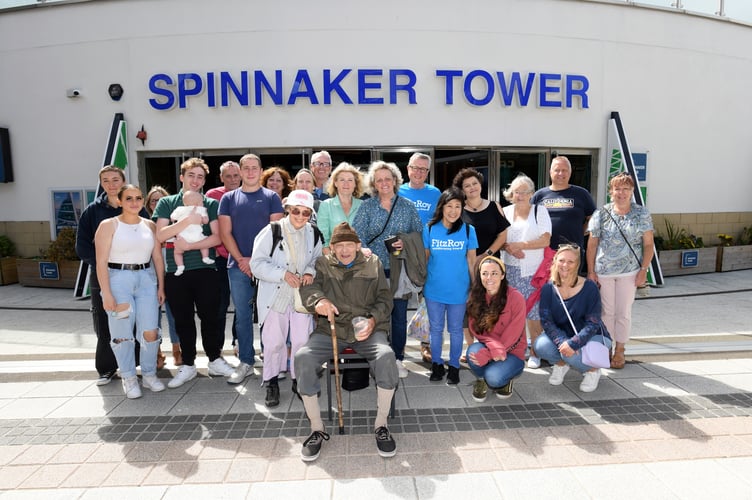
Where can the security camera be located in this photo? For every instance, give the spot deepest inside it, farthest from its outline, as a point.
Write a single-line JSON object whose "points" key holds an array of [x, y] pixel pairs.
{"points": [[73, 93]]}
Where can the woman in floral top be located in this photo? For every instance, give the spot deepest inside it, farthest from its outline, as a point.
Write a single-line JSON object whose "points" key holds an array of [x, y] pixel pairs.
{"points": [[619, 252]]}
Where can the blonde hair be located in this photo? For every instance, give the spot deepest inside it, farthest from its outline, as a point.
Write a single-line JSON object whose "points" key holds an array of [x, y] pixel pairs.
{"points": [[555, 277], [342, 168]]}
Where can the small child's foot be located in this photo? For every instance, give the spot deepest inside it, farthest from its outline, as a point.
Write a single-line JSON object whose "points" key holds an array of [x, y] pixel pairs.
{"points": [[180, 270], [207, 260]]}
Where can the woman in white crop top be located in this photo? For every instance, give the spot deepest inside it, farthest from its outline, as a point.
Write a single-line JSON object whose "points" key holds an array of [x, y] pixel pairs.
{"points": [[131, 276]]}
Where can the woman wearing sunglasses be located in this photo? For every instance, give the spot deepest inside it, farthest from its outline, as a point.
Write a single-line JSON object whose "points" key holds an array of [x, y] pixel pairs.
{"points": [[282, 264], [131, 277]]}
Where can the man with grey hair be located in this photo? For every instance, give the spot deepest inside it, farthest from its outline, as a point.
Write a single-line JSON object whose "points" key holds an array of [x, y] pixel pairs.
{"points": [[425, 197], [321, 166]]}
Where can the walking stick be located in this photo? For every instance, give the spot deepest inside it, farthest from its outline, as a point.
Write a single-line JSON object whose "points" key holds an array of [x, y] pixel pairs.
{"points": [[338, 388]]}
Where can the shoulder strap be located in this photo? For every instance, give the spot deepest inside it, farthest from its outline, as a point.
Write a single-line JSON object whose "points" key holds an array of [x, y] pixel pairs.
{"points": [[276, 236], [317, 235], [385, 223], [556, 289], [639, 262]]}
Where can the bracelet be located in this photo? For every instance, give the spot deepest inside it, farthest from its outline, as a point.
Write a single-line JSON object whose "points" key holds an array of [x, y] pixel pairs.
{"points": [[644, 268]]}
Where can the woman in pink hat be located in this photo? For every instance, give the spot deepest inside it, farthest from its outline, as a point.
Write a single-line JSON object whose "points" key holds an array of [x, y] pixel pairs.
{"points": [[283, 260]]}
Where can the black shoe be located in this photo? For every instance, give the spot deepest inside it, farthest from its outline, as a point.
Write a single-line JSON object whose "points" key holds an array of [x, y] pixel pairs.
{"points": [[312, 446], [453, 378], [295, 389], [437, 372], [272, 395], [385, 442], [106, 378]]}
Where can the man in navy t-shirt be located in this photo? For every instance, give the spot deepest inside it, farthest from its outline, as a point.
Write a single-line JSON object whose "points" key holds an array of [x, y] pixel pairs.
{"points": [[570, 207]]}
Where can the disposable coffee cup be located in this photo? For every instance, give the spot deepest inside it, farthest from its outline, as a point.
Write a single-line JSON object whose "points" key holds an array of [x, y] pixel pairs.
{"points": [[389, 242], [359, 323]]}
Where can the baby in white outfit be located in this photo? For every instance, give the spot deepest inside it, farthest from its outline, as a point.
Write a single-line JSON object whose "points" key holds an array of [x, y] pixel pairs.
{"points": [[193, 202]]}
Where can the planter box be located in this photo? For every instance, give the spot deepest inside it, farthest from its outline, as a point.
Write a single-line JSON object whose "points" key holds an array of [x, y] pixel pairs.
{"points": [[734, 258], [30, 271], [8, 272], [671, 261]]}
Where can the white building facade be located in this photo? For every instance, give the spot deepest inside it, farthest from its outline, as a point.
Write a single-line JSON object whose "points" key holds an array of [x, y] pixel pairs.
{"points": [[500, 85]]}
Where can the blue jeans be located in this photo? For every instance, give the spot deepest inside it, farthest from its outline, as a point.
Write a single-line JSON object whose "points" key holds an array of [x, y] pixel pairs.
{"points": [[139, 289], [242, 291], [546, 349], [174, 339], [452, 315], [495, 373]]}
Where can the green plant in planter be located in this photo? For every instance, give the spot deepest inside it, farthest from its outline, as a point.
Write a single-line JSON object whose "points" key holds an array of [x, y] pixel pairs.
{"points": [[746, 237], [677, 238], [63, 248], [726, 239], [7, 248]]}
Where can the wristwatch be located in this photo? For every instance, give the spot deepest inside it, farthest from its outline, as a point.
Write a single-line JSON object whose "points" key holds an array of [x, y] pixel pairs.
{"points": [[489, 252]]}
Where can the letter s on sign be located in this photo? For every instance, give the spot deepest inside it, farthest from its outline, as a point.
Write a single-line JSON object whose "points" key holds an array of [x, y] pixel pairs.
{"points": [[168, 97]]}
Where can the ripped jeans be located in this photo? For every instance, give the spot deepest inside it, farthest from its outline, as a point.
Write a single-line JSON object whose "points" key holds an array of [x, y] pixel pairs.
{"points": [[139, 289]]}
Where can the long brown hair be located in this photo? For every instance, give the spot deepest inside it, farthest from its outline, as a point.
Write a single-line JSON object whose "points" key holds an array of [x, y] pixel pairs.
{"points": [[486, 314]]}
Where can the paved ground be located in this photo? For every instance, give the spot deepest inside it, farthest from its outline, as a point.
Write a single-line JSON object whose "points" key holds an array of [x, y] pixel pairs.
{"points": [[675, 423]]}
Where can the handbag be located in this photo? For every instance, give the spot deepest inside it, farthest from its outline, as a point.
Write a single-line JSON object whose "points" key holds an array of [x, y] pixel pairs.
{"points": [[418, 327], [298, 302], [594, 353]]}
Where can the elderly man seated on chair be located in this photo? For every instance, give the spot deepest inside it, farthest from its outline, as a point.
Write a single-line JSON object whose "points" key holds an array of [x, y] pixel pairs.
{"points": [[347, 284]]}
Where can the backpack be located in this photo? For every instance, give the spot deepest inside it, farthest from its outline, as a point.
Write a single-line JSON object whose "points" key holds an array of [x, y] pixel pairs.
{"points": [[277, 235]]}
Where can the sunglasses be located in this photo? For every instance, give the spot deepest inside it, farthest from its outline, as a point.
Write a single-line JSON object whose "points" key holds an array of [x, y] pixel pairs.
{"points": [[569, 246], [306, 212]]}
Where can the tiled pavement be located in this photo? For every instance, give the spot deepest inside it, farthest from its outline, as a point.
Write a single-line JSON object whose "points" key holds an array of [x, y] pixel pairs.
{"points": [[660, 428]]}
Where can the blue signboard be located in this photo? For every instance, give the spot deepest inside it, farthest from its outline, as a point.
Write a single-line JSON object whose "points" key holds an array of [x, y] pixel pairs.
{"points": [[640, 161], [690, 258], [49, 271]]}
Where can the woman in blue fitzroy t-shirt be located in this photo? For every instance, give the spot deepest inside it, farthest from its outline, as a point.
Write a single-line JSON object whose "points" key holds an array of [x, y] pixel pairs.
{"points": [[450, 248]]}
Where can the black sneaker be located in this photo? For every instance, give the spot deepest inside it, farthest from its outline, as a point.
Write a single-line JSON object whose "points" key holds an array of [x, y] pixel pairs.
{"points": [[453, 378], [312, 446], [506, 391], [272, 395], [106, 378], [437, 372], [385, 442]]}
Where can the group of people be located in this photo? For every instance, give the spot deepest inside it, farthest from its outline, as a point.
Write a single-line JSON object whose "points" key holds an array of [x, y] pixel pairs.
{"points": [[377, 240]]}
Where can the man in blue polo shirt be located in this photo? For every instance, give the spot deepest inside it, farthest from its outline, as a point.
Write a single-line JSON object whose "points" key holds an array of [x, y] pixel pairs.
{"points": [[425, 197], [243, 213]]}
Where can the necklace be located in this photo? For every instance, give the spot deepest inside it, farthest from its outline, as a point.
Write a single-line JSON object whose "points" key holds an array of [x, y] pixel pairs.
{"points": [[476, 208]]}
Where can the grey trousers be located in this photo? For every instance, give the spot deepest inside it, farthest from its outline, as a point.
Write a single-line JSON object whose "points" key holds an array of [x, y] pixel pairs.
{"points": [[318, 349]]}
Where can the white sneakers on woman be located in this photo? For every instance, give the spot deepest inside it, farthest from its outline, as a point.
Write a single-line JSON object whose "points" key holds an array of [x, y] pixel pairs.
{"points": [[590, 380], [557, 374]]}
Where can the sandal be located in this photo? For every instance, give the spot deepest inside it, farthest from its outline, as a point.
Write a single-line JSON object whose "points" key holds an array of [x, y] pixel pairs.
{"points": [[177, 354], [425, 352], [617, 359], [160, 359]]}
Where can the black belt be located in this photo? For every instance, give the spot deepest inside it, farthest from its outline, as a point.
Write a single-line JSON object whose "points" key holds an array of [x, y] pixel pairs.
{"points": [[128, 267]]}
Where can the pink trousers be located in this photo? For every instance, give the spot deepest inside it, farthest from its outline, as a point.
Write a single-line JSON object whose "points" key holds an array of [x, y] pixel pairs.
{"points": [[617, 297]]}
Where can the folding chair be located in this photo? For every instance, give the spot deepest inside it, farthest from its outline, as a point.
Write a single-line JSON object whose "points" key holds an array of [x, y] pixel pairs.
{"points": [[354, 360]]}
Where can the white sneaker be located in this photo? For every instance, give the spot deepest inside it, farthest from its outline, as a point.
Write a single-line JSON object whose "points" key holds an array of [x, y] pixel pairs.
{"points": [[241, 372], [152, 382], [590, 380], [533, 362], [185, 373], [220, 368], [403, 373], [131, 388], [557, 374], [282, 375]]}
